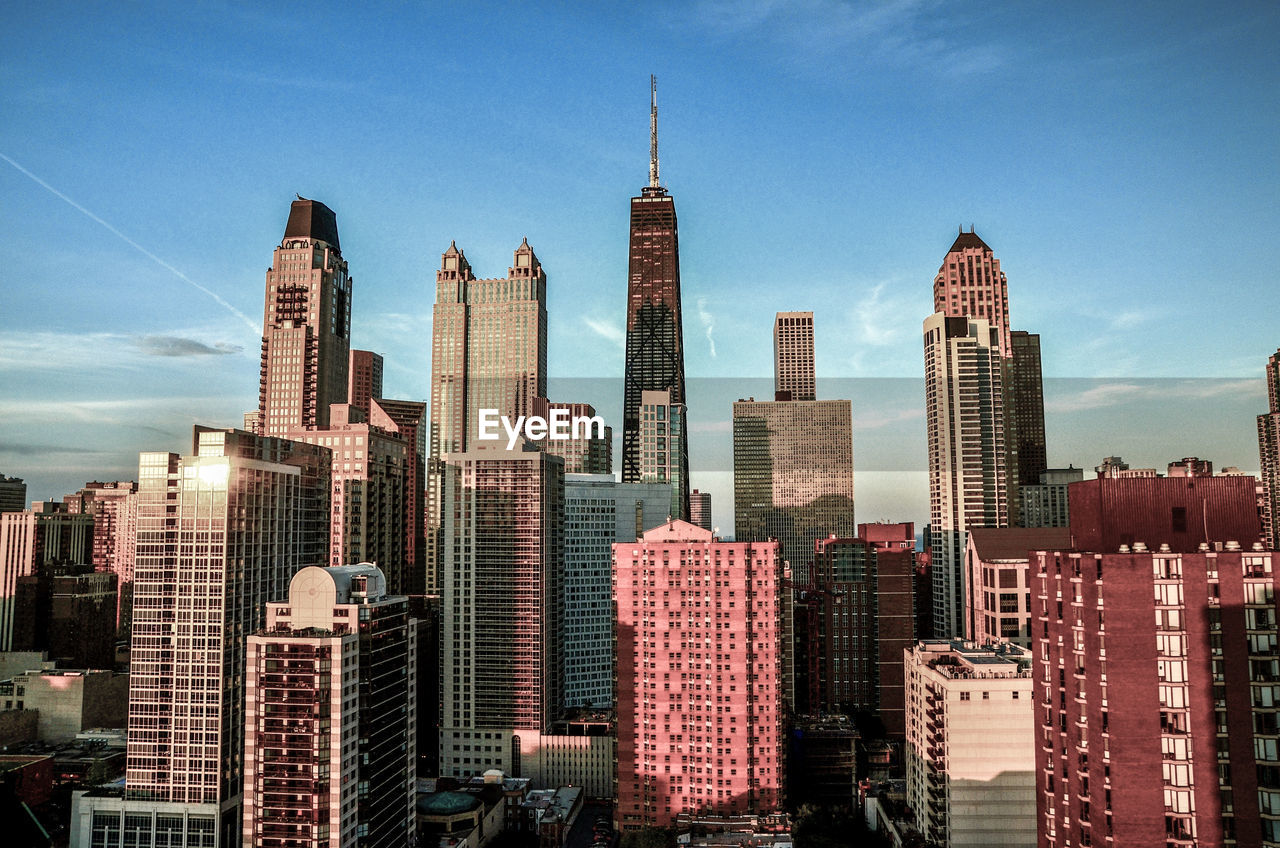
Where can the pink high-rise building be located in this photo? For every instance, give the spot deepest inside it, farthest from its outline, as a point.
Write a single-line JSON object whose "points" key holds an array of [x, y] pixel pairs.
{"points": [[364, 379], [369, 521], [700, 702], [971, 284], [114, 507], [306, 324]]}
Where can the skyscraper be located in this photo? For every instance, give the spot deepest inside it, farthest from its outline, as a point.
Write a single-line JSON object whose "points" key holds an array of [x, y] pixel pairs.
{"points": [[856, 617], [1269, 454], [368, 515], [1024, 417], [306, 323], [793, 475], [794, 375], [655, 338], [598, 511], [408, 420], [970, 283], [700, 509], [502, 575], [323, 767], [662, 433], [589, 452], [220, 533], [964, 419], [488, 351], [114, 507], [700, 707], [364, 379]]}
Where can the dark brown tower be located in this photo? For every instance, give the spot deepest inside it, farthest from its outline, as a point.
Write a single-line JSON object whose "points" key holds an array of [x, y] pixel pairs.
{"points": [[655, 339]]}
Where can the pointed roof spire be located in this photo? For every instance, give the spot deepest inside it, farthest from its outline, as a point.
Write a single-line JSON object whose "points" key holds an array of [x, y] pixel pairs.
{"points": [[653, 131]]}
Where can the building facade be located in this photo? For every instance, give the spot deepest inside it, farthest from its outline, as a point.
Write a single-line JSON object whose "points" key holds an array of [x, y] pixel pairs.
{"points": [[854, 620], [700, 509], [970, 759], [69, 612], [964, 419], [408, 420], [503, 582], [330, 716], [1048, 502], [598, 512], [306, 324], [220, 533], [13, 494], [998, 591], [794, 373], [588, 452], [793, 475], [700, 705], [1269, 454], [364, 379], [655, 335], [1156, 669], [488, 351], [369, 515]]}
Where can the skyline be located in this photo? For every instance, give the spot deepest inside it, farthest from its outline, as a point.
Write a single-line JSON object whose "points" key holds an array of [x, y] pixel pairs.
{"points": [[1156, 198]]}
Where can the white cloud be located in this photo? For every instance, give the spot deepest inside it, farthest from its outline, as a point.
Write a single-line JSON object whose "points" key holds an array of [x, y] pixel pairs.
{"points": [[607, 330], [708, 324]]}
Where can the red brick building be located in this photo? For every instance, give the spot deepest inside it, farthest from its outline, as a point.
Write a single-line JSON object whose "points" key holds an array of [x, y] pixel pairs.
{"points": [[1157, 675]]}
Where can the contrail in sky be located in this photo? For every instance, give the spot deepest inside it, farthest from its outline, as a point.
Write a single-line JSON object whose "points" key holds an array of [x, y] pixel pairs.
{"points": [[236, 312]]}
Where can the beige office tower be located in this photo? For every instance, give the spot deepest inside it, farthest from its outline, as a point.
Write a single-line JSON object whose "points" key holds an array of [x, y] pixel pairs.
{"points": [[488, 351], [502, 570], [331, 718], [964, 420], [794, 375], [219, 536], [793, 475], [306, 324]]}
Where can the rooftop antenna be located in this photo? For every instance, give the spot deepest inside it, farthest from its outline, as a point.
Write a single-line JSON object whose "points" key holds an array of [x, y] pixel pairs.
{"points": [[653, 131]]}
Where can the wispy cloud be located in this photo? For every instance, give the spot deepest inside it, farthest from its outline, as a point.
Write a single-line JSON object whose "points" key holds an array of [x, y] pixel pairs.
{"points": [[253, 327], [1122, 393], [181, 346], [872, 420], [606, 329], [708, 325], [43, 351], [918, 33]]}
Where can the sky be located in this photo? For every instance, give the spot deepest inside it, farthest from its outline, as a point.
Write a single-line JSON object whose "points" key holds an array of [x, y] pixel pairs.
{"points": [[1120, 159]]}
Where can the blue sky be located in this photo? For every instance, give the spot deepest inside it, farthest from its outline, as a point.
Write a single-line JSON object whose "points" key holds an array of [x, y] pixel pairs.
{"points": [[1121, 159]]}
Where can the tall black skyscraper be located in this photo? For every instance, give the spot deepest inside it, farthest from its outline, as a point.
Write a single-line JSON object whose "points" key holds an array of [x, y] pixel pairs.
{"points": [[655, 340]]}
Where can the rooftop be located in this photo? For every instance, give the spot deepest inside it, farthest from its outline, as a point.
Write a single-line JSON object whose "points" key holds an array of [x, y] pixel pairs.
{"points": [[1013, 543]]}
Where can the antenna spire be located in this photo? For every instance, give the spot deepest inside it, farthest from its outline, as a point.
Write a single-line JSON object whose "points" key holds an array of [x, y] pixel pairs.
{"points": [[653, 131]]}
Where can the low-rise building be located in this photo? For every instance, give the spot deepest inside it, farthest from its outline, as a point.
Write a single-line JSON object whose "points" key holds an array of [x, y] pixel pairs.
{"points": [[67, 701], [997, 586]]}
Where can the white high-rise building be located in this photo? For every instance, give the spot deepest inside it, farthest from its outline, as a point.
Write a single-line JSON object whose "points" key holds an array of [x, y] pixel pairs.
{"points": [[220, 533], [970, 750], [598, 511], [964, 419]]}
